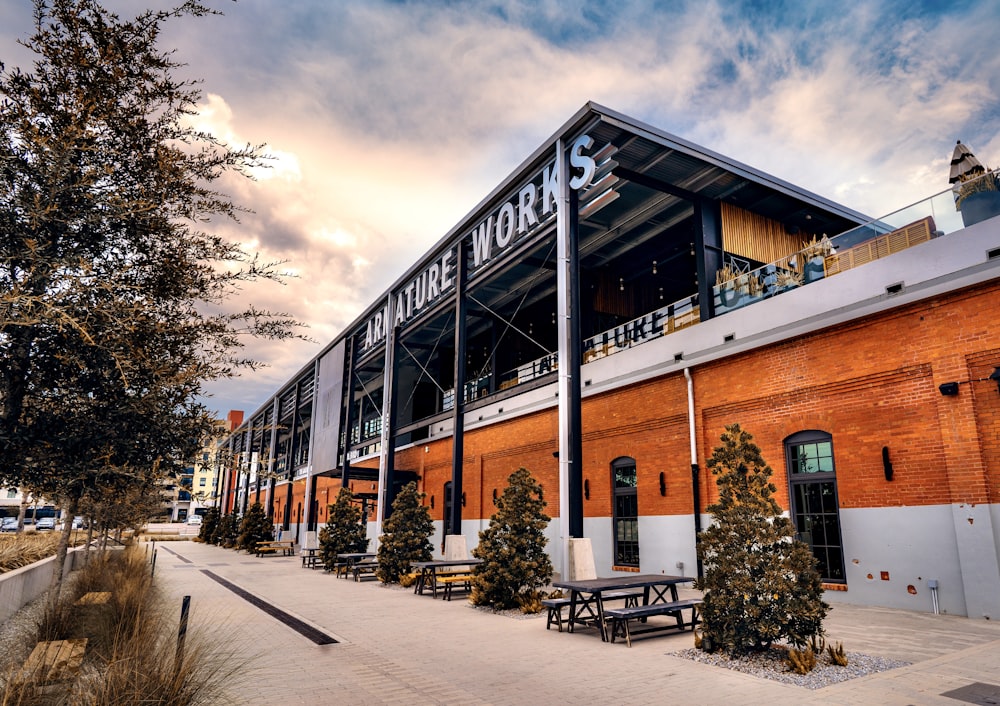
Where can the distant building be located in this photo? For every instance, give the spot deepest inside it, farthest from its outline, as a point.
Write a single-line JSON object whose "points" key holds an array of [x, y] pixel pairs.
{"points": [[608, 309], [195, 490]]}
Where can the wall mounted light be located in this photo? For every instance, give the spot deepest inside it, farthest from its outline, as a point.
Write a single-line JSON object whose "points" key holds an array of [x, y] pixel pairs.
{"points": [[886, 463], [663, 484], [494, 496], [463, 499], [432, 502], [586, 489], [948, 389], [995, 377]]}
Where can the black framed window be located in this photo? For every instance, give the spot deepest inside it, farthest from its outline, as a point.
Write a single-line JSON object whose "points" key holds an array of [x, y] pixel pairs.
{"points": [[813, 491], [626, 511], [447, 510]]}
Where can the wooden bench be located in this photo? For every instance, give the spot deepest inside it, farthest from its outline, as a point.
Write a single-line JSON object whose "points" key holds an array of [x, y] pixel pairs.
{"points": [[555, 605], [313, 561], [450, 580], [52, 662], [620, 617], [360, 568], [283, 546], [94, 598]]}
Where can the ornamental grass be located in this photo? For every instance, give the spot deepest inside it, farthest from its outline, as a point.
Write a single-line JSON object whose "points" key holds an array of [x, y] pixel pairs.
{"points": [[132, 654]]}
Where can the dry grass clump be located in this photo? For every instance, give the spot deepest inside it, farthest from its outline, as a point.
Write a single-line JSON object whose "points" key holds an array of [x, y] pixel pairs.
{"points": [[132, 653], [17, 550]]}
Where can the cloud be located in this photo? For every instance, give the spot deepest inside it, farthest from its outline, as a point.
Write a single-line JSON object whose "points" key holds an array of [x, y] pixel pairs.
{"points": [[390, 120]]}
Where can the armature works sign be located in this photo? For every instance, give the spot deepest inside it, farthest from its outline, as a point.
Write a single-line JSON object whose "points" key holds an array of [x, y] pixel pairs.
{"points": [[522, 212]]}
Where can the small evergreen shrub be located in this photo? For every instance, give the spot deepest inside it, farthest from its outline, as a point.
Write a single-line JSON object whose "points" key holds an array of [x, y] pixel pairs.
{"points": [[343, 532], [209, 523], [406, 536], [254, 528], [227, 530], [515, 564], [760, 584]]}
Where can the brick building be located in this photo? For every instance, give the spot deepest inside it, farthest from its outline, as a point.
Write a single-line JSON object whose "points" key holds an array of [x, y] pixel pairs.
{"points": [[608, 309]]}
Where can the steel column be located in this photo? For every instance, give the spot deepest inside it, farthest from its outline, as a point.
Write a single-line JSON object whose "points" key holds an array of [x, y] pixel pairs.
{"points": [[286, 521], [458, 410], [345, 469], [708, 253]]}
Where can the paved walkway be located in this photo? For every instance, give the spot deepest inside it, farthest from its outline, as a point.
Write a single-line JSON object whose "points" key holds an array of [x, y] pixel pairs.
{"points": [[395, 647]]}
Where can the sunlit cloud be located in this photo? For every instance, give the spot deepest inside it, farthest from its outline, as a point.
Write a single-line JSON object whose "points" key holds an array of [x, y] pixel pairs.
{"points": [[389, 121]]}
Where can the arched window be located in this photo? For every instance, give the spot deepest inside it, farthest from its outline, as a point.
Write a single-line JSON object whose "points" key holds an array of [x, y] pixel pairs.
{"points": [[625, 521], [813, 491]]}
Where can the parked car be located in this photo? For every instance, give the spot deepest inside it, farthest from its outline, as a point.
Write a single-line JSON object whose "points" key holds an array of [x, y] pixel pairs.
{"points": [[9, 524], [46, 523], [194, 520], [77, 523]]}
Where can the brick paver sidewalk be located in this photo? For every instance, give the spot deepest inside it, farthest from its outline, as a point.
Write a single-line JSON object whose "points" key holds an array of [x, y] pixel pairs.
{"points": [[308, 637]]}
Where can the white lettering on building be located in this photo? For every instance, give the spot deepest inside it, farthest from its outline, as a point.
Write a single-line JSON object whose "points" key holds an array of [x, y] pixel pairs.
{"points": [[534, 204]]}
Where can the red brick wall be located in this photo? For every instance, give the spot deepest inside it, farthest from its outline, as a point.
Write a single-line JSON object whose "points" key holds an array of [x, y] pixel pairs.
{"points": [[870, 383]]}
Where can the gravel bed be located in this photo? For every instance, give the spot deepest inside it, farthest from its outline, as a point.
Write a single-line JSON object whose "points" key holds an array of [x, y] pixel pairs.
{"points": [[772, 665]]}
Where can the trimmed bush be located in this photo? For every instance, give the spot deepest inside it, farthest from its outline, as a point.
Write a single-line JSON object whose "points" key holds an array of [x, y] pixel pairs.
{"points": [[343, 532], [407, 536], [761, 584], [254, 528], [515, 564]]}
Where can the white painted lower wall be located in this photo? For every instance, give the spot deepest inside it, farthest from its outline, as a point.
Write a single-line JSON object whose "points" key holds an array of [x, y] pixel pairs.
{"points": [[21, 586], [891, 554]]}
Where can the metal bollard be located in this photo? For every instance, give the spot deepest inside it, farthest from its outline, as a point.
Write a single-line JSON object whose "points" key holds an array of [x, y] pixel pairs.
{"points": [[182, 633]]}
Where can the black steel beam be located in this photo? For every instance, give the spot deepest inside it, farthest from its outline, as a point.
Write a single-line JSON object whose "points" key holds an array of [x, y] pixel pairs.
{"points": [[575, 395], [458, 410], [345, 469]]}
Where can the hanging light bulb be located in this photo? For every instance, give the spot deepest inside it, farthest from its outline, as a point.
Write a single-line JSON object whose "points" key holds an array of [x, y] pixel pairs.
{"points": [[553, 318], [692, 249], [661, 294], [531, 329], [621, 284], [654, 267]]}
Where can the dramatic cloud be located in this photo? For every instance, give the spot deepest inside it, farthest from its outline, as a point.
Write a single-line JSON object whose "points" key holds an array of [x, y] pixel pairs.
{"points": [[389, 120]]}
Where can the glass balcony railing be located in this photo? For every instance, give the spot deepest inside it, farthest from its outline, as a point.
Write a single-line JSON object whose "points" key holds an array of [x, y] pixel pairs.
{"points": [[740, 284]]}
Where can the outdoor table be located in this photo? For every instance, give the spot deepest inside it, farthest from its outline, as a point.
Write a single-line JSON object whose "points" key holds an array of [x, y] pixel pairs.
{"points": [[349, 559], [429, 572], [586, 605], [311, 557]]}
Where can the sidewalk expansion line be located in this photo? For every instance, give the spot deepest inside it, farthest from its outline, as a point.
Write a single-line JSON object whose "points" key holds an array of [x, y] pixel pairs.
{"points": [[307, 631]]}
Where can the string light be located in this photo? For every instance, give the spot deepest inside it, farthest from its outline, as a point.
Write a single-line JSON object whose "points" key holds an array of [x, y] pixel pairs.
{"points": [[621, 284], [654, 267]]}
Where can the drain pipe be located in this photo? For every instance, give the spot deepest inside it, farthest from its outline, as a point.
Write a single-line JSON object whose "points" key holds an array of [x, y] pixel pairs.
{"points": [[933, 585], [695, 474]]}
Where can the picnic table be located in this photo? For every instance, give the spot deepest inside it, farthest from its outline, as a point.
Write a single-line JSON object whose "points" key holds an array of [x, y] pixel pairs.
{"points": [[281, 546], [349, 561], [431, 572], [659, 597], [311, 558]]}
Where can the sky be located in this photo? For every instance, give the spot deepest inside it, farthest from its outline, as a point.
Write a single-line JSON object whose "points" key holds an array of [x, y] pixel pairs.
{"points": [[389, 120]]}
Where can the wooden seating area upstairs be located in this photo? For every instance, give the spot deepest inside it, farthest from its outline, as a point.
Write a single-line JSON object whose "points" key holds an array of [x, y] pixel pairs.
{"points": [[881, 246]]}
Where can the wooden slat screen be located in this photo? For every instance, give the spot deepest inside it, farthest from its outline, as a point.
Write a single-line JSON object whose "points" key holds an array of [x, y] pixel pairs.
{"points": [[755, 237]]}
